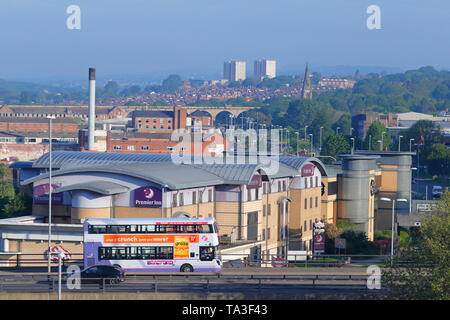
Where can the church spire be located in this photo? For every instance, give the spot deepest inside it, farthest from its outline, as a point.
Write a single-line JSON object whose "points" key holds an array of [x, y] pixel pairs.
{"points": [[306, 88]]}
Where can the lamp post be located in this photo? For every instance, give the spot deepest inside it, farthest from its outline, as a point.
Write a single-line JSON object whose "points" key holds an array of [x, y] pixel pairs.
{"points": [[399, 144], [370, 142], [410, 144], [381, 144], [353, 144], [351, 131], [306, 127], [337, 129], [393, 222], [320, 139], [298, 137], [311, 147], [50, 192]]}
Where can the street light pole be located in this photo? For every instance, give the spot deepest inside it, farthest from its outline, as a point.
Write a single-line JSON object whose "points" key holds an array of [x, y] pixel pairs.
{"points": [[50, 192], [410, 146], [320, 139], [393, 222], [311, 147], [399, 144], [353, 144]]}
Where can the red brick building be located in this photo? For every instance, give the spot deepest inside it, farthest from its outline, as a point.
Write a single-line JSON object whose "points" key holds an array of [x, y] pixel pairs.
{"points": [[27, 124]]}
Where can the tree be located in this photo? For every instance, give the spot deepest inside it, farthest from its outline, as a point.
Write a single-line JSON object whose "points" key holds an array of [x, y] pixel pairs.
{"points": [[375, 132], [344, 124], [111, 89], [4, 172], [421, 270], [438, 160], [300, 113], [336, 144], [172, 83]]}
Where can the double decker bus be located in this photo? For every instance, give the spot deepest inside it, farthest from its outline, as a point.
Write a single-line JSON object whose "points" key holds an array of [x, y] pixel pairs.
{"points": [[153, 244]]}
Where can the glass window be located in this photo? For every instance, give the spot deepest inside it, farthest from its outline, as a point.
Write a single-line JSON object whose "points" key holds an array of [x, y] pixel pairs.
{"points": [[97, 229], [210, 197], [148, 252], [117, 229], [207, 253]]}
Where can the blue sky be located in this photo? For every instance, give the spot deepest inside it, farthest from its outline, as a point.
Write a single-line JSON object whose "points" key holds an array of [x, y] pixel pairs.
{"points": [[193, 38]]}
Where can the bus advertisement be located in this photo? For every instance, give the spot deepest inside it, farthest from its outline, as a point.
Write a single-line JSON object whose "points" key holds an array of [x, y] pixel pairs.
{"points": [[152, 244]]}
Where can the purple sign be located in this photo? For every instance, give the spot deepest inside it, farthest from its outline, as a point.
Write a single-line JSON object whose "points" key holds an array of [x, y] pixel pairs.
{"points": [[256, 182], [40, 194], [308, 170], [147, 197]]}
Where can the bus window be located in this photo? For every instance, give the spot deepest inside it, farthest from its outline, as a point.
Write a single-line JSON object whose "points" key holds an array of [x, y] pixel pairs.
{"points": [[133, 253], [118, 253], [148, 252], [97, 229], [206, 253], [134, 229], [165, 253], [117, 229], [147, 228]]}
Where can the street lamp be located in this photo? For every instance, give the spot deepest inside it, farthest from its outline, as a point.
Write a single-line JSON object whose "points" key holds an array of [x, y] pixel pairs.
{"points": [[392, 227], [320, 139], [370, 142], [50, 190], [410, 142], [353, 144], [399, 139], [337, 129], [306, 127], [351, 131], [298, 137], [311, 140], [381, 144]]}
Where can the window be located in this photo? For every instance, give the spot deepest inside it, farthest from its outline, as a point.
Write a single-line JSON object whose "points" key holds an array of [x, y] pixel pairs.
{"points": [[310, 224], [279, 186], [264, 210], [264, 187], [194, 197], [311, 182], [117, 148], [306, 203], [144, 148], [268, 210], [131, 148], [268, 233], [256, 193], [210, 197], [264, 234], [317, 202], [310, 202], [284, 185], [317, 181], [207, 253], [305, 226], [306, 183], [181, 200], [174, 200], [249, 195], [97, 229]]}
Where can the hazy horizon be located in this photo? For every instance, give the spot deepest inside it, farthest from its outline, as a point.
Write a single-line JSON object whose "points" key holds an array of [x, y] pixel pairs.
{"points": [[154, 38]]}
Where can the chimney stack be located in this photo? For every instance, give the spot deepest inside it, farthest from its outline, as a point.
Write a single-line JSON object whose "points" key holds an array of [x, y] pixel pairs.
{"points": [[91, 119]]}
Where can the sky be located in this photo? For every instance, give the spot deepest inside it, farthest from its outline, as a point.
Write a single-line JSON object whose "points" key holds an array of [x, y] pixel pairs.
{"points": [[193, 38]]}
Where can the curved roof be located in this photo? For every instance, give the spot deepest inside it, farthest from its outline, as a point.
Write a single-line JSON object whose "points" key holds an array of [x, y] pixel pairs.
{"points": [[61, 158], [102, 187], [298, 162], [166, 174]]}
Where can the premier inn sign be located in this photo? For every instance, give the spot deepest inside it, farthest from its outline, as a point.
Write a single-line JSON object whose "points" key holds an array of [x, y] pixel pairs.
{"points": [[147, 197], [308, 170]]}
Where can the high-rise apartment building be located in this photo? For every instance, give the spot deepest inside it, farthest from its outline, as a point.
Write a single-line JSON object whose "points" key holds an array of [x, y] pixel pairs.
{"points": [[234, 70], [265, 69]]}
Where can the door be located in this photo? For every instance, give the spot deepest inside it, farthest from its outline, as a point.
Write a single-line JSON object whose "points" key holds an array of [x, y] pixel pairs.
{"points": [[252, 225]]}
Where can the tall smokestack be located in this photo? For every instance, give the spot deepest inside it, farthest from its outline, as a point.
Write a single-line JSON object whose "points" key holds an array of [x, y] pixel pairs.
{"points": [[91, 123]]}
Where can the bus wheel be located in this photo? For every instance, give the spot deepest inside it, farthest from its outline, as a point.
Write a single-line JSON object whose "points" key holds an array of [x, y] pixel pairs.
{"points": [[186, 268], [117, 266]]}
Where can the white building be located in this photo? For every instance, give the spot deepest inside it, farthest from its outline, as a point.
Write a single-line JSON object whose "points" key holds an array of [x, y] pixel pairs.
{"points": [[265, 69], [234, 70]]}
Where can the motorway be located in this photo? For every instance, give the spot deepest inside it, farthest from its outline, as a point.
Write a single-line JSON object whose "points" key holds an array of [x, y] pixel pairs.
{"points": [[341, 281]]}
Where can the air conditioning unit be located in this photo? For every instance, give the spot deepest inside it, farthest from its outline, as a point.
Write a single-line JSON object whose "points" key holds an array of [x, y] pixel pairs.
{"points": [[417, 224]]}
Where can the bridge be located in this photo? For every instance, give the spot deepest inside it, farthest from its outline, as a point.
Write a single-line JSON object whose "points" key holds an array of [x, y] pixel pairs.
{"points": [[213, 111]]}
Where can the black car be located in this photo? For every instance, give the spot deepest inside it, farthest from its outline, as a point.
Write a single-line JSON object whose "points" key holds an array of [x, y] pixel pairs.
{"points": [[102, 274]]}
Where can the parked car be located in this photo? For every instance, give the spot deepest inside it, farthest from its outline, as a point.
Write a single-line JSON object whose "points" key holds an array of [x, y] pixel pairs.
{"points": [[102, 274], [437, 191]]}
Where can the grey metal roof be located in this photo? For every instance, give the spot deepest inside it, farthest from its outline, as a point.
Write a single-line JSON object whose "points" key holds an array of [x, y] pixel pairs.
{"points": [[163, 173], [231, 173], [297, 163], [61, 158], [99, 186]]}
